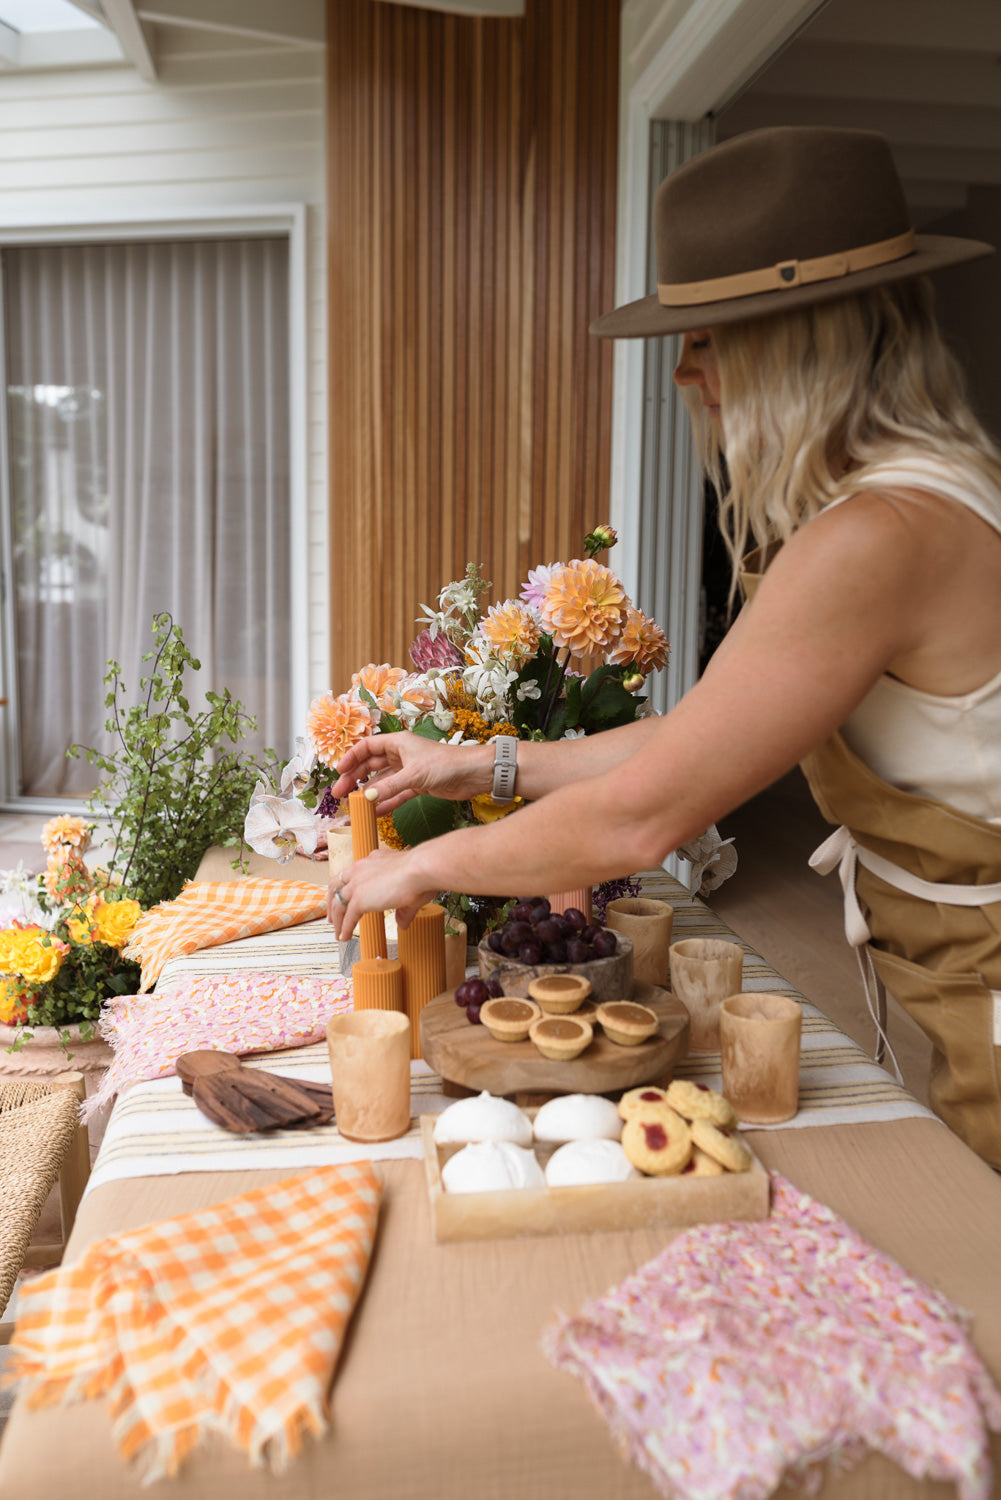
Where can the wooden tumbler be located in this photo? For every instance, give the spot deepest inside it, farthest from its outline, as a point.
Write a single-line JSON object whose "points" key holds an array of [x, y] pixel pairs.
{"points": [[421, 948], [364, 840], [650, 924]]}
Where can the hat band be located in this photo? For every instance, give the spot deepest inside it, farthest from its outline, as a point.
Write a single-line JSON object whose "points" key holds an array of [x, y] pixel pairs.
{"points": [[788, 273]]}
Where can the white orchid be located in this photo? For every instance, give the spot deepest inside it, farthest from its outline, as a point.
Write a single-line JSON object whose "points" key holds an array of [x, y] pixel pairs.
{"points": [[713, 860], [295, 776], [277, 825]]}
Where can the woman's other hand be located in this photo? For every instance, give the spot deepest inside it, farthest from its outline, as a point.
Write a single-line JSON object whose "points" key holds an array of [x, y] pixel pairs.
{"points": [[406, 765], [384, 881]]}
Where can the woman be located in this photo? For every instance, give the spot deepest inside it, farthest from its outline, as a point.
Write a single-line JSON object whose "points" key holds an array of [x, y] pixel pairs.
{"points": [[812, 360]]}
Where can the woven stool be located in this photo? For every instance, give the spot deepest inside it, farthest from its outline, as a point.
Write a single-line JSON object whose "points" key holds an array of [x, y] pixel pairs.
{"points": [[41, 1139]]}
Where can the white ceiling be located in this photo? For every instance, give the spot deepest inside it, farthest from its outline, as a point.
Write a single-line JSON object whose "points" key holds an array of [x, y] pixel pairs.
{"points": [[927, 73]]}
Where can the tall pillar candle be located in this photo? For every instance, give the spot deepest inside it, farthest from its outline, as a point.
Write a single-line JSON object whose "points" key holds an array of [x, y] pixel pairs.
{"points": [[364, 840], [570, 900], [378, 984], [421, 947]]}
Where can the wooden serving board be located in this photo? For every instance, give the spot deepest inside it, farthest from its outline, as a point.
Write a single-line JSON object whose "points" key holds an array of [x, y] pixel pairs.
{"points": [[640, 1203], [468, 1055]]}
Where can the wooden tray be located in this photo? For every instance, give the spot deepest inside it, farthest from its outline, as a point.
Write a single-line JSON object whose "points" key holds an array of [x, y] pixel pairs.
{"points": [[641, 1203], [469, 1055]]}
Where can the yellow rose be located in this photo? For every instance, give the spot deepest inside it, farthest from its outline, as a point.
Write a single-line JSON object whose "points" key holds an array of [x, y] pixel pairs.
{"points": [[35, 961], [13, 1002], [114, 921], [486, 810], [80, 931]]}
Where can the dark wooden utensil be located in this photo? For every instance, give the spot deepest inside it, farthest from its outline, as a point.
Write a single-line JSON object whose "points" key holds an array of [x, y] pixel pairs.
{"points": [[243, 1100]]}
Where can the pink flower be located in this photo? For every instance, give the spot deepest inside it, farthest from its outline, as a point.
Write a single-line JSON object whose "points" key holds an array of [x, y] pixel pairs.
{"points": [[538, 583], [426, 653]]}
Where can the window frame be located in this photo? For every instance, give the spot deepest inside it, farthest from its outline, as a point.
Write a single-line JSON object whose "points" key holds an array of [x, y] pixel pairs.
{"points": [[282, 220]]}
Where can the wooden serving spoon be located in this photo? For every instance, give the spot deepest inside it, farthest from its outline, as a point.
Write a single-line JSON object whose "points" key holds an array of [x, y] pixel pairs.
{"points": [[243, 1100]]}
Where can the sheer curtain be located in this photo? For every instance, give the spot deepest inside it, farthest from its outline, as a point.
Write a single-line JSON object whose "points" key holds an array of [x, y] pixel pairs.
{"points": [[147, 420]]}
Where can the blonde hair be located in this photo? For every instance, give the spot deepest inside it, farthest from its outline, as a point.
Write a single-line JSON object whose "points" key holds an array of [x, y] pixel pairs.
{"points": [[814, 398]]}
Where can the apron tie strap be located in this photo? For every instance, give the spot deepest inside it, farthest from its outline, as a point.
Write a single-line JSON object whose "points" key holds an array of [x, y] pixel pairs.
{"points": [[842, 851]]}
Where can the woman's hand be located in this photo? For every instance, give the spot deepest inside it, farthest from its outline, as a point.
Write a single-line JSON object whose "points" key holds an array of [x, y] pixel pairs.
{"points": [[405, 765], [383, 881]]}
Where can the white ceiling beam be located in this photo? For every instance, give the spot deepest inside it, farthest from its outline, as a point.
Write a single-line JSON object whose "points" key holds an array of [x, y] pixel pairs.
{"points": [[10, 47], [39, 51], [714, 48], [125, 23], [92, 8], [969, 25], [297, 21]]}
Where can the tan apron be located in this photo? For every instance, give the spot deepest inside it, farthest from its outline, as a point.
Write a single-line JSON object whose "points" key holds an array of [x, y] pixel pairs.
{"points": [[940, 960]]}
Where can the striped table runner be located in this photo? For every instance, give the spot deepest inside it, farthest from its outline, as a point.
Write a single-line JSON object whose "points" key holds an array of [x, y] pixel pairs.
{"points": [[156, 1130]]}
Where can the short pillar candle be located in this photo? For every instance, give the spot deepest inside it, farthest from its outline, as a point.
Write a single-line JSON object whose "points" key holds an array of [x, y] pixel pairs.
{"points": [[421, 947], [378, 984], [364, 840]]}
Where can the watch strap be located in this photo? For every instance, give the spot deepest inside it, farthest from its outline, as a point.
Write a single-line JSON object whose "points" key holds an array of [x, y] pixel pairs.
{"points": [[505, 767]]}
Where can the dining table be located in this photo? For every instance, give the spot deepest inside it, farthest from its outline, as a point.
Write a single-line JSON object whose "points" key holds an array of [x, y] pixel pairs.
{"points": [[443, 1390]]}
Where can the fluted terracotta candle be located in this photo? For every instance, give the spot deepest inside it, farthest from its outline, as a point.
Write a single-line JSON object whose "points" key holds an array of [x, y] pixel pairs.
{"points": [[378, 984], [650, 925], [365, 839], [565, 900], [370, 1074], [759, 1044], [704, 971], [421, 948]]}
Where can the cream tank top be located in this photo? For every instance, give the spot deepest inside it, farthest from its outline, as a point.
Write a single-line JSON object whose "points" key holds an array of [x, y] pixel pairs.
{"points": [[943, 747]]}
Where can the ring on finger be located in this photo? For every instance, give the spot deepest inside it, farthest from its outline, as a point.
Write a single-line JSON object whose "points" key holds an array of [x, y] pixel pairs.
{"points": [[341, 896]]}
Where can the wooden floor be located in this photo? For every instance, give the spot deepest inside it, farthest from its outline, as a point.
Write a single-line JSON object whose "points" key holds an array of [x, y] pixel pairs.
{"points": [[794, 918]]}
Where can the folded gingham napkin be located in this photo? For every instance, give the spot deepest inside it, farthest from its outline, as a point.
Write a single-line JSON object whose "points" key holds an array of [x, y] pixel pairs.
{"points": [[228, 1320], [209, 912], [746, 1355]]}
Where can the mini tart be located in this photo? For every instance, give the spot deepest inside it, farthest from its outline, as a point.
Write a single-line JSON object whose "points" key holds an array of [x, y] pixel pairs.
{"points": [[560, 994], [625, 1022], [561, 1038], [509, 1019]]}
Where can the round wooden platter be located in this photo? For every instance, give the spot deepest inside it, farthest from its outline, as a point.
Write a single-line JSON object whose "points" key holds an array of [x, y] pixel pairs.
{"points": [[468, 1055]]}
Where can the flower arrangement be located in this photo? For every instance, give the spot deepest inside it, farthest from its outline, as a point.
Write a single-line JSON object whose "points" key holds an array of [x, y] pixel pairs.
{"points": [[568, 656], [62, 957]]}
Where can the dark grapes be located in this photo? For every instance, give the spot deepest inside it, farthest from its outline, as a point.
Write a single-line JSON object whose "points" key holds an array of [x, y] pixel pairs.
{"points": [[471, 992], [535, 934], [495, 988], [473, 1015], [530, 952], [575, 919], [605, 943], [548, 930], [540, 908], [556, 953], [577, 952], [523, 912], [589, 933], [495, 941]]}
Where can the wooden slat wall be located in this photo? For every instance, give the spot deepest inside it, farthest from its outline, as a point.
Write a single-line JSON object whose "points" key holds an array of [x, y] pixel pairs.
{"points": [[471, 220]]}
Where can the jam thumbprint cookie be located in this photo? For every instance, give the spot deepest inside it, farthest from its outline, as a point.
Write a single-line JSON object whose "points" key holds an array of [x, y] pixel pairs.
{"points": [[659, 1145], [694, 1101], [724, 1146]]}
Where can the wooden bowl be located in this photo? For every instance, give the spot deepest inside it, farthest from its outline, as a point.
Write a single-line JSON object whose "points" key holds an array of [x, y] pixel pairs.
{"points": [[610, 978]]}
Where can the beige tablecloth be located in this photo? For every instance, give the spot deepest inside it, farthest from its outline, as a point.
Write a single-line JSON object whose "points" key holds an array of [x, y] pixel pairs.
{"points": [[443, 1392]]}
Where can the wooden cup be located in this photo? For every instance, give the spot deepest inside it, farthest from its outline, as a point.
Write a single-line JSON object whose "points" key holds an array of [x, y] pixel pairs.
{"points": [[760, 1038], [649, 924], [370, 1073], [704, 971]]}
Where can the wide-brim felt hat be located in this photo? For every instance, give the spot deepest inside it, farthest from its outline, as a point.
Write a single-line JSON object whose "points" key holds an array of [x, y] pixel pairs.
{"points": [[776, 219]]}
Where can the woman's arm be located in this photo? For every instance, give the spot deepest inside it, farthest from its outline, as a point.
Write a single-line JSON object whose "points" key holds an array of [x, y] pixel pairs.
{"points": [[405, 765], [841, 602]]}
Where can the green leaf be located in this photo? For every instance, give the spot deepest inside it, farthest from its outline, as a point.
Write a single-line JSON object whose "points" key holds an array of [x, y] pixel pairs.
{"points": [[390, 724], [429, 731], [605, 704], [425, 818]]}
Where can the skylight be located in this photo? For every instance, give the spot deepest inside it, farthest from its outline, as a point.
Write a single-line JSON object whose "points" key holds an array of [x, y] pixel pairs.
{"points": [[29, 16]]}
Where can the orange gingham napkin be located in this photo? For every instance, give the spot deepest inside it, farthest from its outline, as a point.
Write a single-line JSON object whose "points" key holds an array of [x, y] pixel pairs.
{"points": [[230, 1320], [209, 912]]}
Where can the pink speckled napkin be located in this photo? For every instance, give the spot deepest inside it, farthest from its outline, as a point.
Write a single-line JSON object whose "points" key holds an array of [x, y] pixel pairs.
{"points": [[749, 1354], [243, 1012]]}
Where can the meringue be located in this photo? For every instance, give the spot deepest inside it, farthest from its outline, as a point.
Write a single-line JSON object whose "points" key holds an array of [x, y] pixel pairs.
{"points": [[578, 1117], [485, 1118], [581, 1163], [489, 1166]]}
